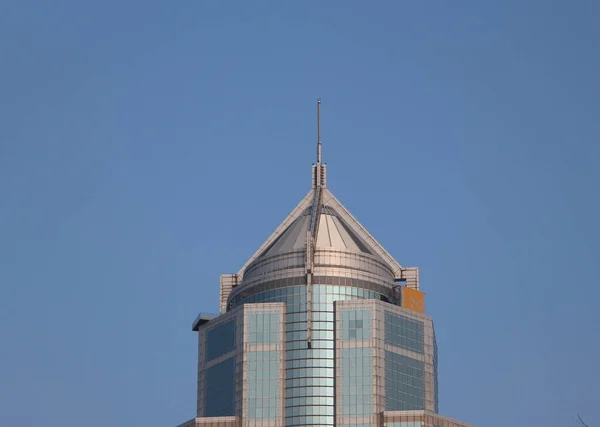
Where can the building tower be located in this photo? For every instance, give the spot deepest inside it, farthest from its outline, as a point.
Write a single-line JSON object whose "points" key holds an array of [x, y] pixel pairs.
{"points": [[320, 327]]}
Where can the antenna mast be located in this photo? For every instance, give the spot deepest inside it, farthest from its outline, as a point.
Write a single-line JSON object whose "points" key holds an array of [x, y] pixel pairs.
{"points": [[319, 168], [318, 130]]}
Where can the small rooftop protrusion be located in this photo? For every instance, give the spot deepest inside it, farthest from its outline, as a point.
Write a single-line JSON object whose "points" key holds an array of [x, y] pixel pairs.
{"points": [[202, 319]]}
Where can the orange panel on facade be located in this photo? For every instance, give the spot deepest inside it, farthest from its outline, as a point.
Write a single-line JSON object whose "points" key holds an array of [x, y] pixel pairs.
{"points": [[413, 300]]}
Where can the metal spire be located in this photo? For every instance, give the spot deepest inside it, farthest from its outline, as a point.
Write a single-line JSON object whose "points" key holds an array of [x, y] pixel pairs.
{"points": [[319, 130], [319, 168]]}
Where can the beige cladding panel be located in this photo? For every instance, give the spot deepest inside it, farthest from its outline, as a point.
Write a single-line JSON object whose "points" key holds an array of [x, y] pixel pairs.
{"points": [[226, 284], [423, 418], [213, 422]]}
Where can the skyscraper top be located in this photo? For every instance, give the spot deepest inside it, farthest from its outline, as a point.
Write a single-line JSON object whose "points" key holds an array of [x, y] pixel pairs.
{"points": [[315, 331], [318, 234]]}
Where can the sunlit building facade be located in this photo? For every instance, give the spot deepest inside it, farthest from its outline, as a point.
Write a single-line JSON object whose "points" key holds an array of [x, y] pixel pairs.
{"points": [[320, 327]]}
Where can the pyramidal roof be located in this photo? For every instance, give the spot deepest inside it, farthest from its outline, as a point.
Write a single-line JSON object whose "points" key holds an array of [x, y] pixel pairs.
{"points": [[322, 221]]}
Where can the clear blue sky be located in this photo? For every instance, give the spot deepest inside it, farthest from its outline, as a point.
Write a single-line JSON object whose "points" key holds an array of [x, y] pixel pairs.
{"points": [[147, 147]]}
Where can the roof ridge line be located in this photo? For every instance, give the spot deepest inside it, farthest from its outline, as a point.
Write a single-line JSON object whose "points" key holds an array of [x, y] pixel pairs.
{"points": [[348, 217], [291, 217]]}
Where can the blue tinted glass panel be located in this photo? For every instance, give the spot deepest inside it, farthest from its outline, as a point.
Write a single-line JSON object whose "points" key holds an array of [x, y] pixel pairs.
{"points": [[220, 389], [264, 395], [342, 286], [356, 324], [220, 340], [404, 332], [404, 383], [263, 327], [356, 386], [293, 296]]}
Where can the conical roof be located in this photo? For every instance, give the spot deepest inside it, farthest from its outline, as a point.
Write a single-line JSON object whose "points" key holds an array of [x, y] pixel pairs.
{"points": [[335, 228], [333, 232]]}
